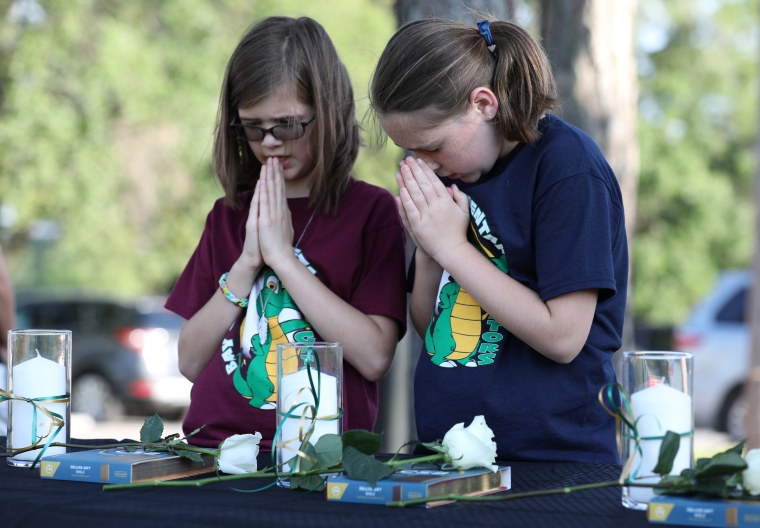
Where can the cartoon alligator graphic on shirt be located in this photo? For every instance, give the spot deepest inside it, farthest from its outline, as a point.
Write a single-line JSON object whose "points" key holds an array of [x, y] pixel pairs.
{"points": [[455, 327], [280, 321], [454, 334]]}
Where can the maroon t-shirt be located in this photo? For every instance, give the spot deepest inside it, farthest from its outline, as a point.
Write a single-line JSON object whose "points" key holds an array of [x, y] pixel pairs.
{"points": [[358, 254]]}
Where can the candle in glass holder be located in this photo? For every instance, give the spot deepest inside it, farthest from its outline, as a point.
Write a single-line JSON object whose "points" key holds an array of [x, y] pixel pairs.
{"points": [[297, 395], [39, 368], [658, 409], [37, 378], [296, 404]]}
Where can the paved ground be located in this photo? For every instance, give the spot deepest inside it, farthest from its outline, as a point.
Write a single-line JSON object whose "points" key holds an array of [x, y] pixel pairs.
{"points": [[128, 427], [706, 441]]}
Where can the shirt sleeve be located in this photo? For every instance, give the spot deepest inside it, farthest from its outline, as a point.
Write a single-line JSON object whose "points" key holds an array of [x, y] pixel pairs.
{"points": [[219, 245], [575, 225]]}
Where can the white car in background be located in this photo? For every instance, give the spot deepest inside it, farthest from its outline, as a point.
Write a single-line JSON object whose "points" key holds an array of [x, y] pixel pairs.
{"points": [[717, 333]]}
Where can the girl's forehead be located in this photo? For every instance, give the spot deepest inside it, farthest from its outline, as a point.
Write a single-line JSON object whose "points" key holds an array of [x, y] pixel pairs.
{"points": [[281, 102], [415, 130]]}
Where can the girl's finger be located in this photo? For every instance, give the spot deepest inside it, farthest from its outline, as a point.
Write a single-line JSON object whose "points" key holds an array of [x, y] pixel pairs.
{"points": [[264, 201], [427, 178], [277, 184], [410, 184], [253, 210], [410, 209], [461, 199]]}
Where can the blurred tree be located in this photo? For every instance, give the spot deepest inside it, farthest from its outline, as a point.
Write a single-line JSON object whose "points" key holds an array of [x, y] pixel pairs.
{"points": [[591, 46], [752, 387], [698, 122], [106, 126], [408, 10]]}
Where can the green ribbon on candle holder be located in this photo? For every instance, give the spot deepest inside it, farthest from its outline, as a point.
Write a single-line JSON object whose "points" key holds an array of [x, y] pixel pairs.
{"points": [[56, 420], [278, 443], [624, 414]]}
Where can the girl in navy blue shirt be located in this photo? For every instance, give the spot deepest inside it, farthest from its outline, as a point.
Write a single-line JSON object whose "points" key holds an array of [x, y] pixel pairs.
{"points": [[521, 265]]}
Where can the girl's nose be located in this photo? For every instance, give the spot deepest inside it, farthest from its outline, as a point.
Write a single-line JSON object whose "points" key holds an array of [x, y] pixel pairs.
{"points": [[270, 141], [427, 159]]}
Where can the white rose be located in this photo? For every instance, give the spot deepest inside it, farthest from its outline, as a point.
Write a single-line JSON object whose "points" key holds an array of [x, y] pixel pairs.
{"points": [[238, 453], [471, 446], [751, 475]]}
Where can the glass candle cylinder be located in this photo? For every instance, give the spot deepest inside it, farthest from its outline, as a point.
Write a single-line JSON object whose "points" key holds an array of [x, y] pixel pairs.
{"points": [[309, 399], [659, 389], [39, 375]]}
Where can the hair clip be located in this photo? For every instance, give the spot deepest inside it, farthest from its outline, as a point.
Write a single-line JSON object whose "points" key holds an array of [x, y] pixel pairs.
{"points": [[485, 30]]}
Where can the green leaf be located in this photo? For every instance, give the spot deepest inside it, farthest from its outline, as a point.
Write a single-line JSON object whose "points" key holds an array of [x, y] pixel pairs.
{"points": [[307, 462], [307, 483], [363, 441], [675, 485], [360, 466], [152, 429], [195, 432], [712, 487], [722, 464], [184, 453], [668, 451], [737, 449], [329, 449]]}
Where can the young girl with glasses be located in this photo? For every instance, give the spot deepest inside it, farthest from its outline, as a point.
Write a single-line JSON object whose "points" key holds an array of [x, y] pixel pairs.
{"points": [[297, 250], [521, 264]]}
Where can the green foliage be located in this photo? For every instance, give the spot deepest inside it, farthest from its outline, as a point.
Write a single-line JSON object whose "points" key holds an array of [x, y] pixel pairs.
{"points": [[718, 476], [107, 113], [353, 452], [152, 429], [668, 451], [697, 132], [364, 467], [329, 447], [363, 441]]}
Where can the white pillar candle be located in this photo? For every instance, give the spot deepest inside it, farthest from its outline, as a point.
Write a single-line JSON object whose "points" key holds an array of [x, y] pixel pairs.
{"points": [[658, 409], [292, 394], [37, 378]]}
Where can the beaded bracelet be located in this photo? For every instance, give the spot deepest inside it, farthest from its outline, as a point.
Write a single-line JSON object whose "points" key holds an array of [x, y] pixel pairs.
{"points": [[227, 293]]}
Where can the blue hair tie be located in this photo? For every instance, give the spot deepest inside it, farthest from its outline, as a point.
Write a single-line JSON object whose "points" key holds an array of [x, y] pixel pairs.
{"points": [[484, 28]]}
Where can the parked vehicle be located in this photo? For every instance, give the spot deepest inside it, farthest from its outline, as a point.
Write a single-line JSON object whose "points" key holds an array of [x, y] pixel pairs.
{"points": [[717, 334], [124, 353]]}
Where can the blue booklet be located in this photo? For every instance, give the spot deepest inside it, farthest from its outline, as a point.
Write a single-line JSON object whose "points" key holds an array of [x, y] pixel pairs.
{"points": [[119, 466], [699, 511], [419, 482]]}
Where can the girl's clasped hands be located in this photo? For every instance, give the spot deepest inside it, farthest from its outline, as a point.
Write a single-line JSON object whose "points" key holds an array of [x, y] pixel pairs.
{"points": [[269, 229], [435, 216]]}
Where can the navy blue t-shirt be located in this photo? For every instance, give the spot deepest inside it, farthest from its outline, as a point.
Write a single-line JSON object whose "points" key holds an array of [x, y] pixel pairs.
{"points": [[550, 214]]}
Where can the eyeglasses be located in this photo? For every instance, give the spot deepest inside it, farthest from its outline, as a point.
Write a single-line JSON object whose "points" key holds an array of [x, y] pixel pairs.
{"points": [[282, 132]]}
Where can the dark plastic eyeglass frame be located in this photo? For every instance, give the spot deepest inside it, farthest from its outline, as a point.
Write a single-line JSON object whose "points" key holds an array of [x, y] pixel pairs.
{"points": [[276, 130]]}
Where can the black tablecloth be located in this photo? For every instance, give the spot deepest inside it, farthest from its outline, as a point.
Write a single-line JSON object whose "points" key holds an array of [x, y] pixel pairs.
{"points": [[26, 500]]}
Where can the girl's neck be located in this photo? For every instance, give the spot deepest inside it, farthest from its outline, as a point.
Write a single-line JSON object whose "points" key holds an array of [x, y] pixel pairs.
{"points": [[507, 147], [297, 189]]}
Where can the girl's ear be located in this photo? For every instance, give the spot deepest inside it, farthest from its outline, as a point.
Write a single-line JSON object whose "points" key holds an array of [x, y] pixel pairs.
{"points": [[484, 101]]}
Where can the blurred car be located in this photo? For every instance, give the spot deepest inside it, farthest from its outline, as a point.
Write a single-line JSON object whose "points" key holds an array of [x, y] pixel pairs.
{"points": [[124, 353], [717, 333]]}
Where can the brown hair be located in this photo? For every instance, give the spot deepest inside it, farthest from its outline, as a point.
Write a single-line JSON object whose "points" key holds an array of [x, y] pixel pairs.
{"points": [[299, 55], [435, 64]]}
